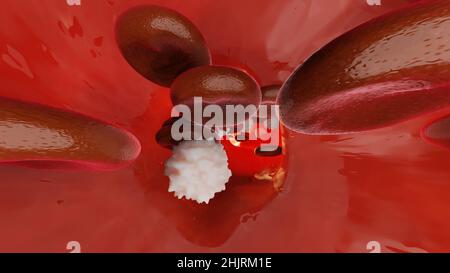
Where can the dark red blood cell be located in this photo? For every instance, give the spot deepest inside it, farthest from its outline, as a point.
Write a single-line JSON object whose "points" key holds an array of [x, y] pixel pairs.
{"points": [[160, 43], [386, 71], [217, 85], [164, 136], [269, 98], [438, 132], [31, 132], [273, 151]]}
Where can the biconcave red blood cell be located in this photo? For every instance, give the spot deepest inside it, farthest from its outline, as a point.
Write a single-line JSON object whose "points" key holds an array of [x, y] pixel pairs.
{"points": [[160, 43], [383, 72], [216, 85], [438, 132], [164, 137], [31, 132]]}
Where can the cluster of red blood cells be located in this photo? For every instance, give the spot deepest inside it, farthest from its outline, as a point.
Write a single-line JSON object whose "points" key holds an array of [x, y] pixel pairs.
{"points": [[358, 82]]}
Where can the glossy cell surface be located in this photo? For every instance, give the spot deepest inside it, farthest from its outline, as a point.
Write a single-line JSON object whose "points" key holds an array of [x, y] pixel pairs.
{"points": [[270, 93], [160, 43], [30, 132], [220, 85], [388, 70]]}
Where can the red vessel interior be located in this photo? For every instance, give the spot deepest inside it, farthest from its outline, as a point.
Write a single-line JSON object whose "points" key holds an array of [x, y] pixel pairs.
{"points": [[340, 192]]}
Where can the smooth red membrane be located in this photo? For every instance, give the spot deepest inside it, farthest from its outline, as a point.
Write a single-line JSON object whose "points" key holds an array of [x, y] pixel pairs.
{"points": [[216, 85], [244, 197], [32, 132], [438, 132], [160, 43], [386, 71]]}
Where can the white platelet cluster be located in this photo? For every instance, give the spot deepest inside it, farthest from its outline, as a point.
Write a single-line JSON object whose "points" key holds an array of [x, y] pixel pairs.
{"points": [[197, 170]]}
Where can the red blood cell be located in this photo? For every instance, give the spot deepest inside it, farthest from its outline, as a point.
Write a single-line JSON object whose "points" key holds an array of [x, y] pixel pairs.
{"points": [[438, 132], [219, 85], [31, 132], [160, 43], [386, 71]]}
